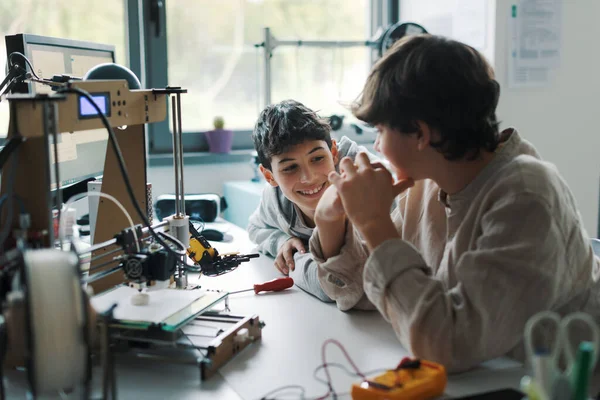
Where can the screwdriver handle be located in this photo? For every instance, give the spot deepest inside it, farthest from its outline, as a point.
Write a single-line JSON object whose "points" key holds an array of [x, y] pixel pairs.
{"points": [[274, 285]]}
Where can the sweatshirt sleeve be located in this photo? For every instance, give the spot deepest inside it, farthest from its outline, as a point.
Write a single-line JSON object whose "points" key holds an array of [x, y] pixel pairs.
{"points": [[263, 228], [513, 272], [305, 275], [341, 276]]}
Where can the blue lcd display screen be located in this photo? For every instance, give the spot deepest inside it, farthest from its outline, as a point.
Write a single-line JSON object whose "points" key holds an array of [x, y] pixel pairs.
{"points": [[87, 110]]}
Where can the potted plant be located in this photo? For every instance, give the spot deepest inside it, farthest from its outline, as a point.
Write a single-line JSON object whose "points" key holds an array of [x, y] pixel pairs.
{"points": [[219, 139]]}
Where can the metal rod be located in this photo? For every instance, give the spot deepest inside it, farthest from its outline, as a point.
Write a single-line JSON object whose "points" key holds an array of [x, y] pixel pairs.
{"points": [[110, 242], [267, 60], [102, 274], [59, 197], [326, 43], [104, 264], [108, 253], [98, 246], [175, 154], [240, 291], [270, 43], [46, 113], [180, 132], [170, 360]]}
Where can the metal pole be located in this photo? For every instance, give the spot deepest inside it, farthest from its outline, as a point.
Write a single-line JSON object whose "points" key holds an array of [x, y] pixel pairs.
{"points": [[49, 116], [176, 155], [52, 117], [267, 59], [180, 132], [270, 43], [109, 242], [327, 43]]}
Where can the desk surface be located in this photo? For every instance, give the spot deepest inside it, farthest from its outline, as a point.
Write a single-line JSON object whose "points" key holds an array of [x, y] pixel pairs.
{"points": [[290, 350]]}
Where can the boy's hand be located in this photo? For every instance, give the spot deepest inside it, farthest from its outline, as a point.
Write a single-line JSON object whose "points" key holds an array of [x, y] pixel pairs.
{"points": [[330, 208], [367, 190], [285, 259]]}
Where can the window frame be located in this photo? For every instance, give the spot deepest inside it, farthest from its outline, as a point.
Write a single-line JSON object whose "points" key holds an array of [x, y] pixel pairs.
{"points": [[153, 47]]}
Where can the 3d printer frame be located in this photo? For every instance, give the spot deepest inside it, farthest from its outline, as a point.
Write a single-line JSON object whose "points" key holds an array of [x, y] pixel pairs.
{"points": [[34, 119]]}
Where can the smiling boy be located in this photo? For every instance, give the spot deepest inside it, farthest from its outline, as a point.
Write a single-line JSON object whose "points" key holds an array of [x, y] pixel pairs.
{"points": [[296, 154]]}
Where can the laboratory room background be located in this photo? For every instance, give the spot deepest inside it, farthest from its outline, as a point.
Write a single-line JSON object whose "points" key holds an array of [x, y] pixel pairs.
{"points": [[299, 199]]}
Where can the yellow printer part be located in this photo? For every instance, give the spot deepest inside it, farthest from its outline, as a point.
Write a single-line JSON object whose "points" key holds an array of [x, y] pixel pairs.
{"points": [[200, 248], [411, 380]]}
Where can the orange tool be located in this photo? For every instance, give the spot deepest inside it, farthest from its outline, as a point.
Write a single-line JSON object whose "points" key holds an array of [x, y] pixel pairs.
{"points": [[275, 285]]}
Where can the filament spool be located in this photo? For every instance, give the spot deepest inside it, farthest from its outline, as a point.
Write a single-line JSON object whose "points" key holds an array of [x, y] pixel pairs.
{"points": [[58, 352]]}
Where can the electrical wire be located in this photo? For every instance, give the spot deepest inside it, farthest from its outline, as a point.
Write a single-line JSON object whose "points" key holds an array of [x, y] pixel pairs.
{"points": [[331, 391], [325, 366], [173, 239], [16, 53], [345, 370], [282, 388], [72, 199], [198, 223], [121, 163]]}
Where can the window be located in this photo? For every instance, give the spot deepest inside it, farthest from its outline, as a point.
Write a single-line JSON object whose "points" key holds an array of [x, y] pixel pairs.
{"points": [[211, 52], [209, 48], [87, 20]]}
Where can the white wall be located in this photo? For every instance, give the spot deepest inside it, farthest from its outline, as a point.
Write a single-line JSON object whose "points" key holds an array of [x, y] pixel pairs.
{"points": [[561, 120], [470, 21]]}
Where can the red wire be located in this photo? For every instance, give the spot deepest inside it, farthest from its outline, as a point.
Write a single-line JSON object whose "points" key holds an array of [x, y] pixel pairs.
{"points": [[323, 359]]}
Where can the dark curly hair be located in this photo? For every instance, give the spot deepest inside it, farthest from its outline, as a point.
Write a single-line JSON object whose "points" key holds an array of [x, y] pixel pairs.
{"points": [[442, 82], [285, 124]]}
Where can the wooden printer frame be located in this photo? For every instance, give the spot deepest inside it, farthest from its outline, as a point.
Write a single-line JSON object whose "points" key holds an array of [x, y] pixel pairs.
{"points": [[131, 108]]}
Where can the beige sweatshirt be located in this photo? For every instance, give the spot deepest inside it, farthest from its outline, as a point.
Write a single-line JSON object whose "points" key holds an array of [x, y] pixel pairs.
{"points": [[472, 267]]}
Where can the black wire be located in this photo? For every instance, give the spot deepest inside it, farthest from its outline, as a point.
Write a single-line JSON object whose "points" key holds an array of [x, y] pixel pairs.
{"points": [[12, 83], [16, 53], [198, 220], [176, 243], [122, 167]]}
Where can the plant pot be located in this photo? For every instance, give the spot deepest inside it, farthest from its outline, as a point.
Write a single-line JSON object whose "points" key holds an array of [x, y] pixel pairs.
{"points": [[219, 140]]}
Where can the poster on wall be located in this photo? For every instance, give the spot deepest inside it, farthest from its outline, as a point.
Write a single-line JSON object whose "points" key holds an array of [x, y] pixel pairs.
{"points": [[534, 42]]}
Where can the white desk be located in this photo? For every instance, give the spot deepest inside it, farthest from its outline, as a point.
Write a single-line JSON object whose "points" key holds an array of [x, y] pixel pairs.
{"points": [[296, 326]]}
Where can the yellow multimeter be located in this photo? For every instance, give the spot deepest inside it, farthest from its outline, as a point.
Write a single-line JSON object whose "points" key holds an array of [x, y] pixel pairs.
{"points": [[413, 379]]}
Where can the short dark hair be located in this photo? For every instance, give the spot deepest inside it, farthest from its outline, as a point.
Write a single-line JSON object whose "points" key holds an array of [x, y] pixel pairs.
{"points": [[285, 124], [444, 83]]}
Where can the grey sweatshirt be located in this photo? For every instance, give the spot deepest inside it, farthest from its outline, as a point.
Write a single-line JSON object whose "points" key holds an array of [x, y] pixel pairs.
{"points": [[471, 268], [277, 219]]}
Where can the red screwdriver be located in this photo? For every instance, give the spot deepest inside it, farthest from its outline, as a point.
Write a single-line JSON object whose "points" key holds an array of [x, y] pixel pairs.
{"points": [[275, 285]]}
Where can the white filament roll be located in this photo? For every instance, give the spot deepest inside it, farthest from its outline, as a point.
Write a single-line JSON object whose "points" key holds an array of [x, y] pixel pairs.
{"points": [[179, 228], [56, 320]]}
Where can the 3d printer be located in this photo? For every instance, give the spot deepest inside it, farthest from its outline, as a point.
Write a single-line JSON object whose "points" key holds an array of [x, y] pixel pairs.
{"points": [[43, 302]]}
